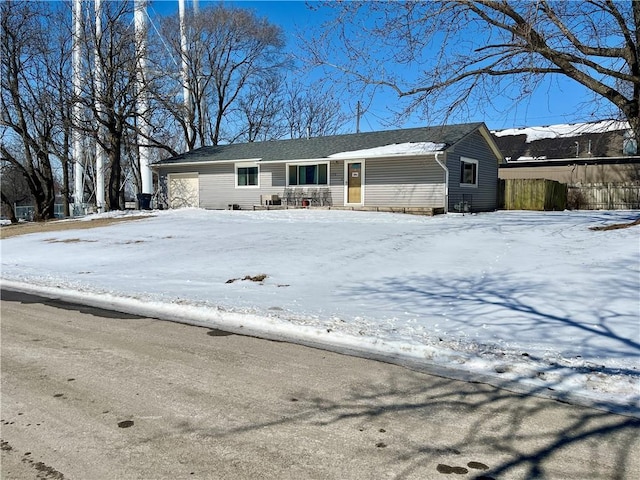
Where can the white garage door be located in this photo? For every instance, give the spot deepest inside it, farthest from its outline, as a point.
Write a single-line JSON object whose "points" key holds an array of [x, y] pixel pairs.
{"points": [[184, 190]]}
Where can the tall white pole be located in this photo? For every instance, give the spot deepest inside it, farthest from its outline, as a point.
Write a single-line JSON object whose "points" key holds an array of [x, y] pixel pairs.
{"points": [[78, 154], [99, 87], [142, 104], [186, 92]]}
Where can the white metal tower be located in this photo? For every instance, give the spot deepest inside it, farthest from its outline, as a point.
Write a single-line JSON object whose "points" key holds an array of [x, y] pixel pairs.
{"points": [[99, 87], [142, 104], [78, 151], [186, 91]]}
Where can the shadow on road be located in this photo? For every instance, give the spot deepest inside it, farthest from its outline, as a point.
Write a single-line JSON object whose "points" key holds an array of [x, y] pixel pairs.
{"points": [[11, 296], [463, 430]]}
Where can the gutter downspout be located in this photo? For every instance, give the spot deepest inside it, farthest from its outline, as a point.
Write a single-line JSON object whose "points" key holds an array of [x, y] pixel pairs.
{"points": [[446, 180]]}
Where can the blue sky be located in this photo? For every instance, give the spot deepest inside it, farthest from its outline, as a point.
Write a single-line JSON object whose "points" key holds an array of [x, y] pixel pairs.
{"points": [[558, 101]]}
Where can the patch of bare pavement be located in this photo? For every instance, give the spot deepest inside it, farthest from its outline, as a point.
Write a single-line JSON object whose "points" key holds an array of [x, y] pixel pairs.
{"points": [[94, 394], [24, 228]]}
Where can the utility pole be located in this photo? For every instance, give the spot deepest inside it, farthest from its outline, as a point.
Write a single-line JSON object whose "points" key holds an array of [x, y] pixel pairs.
{"points": [[358, 117]]}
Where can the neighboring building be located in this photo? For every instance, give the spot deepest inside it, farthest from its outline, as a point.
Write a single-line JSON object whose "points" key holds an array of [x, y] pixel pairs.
{"points": [[598, 161], [440, 168], [577, 170], [585, 153]]}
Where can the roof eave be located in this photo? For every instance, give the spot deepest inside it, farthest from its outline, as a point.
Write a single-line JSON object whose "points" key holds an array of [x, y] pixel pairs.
{"points": [[203, 162], [298, 160]]}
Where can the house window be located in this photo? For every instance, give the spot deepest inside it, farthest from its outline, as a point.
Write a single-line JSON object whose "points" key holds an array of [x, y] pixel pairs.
{"points": [[308, 174], [468, 172], [247, 175]]}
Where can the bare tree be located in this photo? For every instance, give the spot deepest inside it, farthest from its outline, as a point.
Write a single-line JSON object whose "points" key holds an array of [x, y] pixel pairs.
{"points": [[59, 72], [228, 48], [28, 116], [446, 55], [313, 110], [260, 110]]}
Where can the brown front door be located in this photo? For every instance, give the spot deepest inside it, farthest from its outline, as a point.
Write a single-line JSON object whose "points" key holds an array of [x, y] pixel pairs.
{"points": [[354, 182]]}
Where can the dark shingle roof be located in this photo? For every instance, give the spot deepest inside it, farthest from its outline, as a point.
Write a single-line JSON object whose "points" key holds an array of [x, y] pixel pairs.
{"points": [[321, 147], [606, 144], [603, 138]]}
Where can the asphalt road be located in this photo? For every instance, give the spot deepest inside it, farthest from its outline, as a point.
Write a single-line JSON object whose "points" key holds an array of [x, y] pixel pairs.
{"points": [[92, 394]]}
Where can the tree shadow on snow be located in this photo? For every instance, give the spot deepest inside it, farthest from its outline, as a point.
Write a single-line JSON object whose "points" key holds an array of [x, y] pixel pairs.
{"points": [[498, 301], [510, 313]]}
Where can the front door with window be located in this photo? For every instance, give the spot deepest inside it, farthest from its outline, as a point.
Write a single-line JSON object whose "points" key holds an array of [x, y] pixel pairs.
{"points": [[354, 182]]}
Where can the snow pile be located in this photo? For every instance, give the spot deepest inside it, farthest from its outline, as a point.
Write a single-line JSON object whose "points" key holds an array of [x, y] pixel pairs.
{"points": [[416, 148], [533, 301], [563, 130], [116, 214]]}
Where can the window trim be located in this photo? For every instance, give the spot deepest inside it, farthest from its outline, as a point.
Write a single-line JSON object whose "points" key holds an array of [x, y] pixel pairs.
{"points": [[246, 165], [307, 164], [471, 161]]}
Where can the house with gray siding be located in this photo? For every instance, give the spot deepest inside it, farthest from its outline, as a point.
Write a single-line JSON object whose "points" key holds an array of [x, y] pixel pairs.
{"points": [[445, 168]]}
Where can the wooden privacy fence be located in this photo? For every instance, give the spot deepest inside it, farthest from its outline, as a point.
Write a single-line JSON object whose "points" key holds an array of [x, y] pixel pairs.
{"points": [[604, 196], [534, 194], [538, 194]]}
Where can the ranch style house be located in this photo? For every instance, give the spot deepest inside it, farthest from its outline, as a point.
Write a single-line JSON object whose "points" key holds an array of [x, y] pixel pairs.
{"points": [[417, 170]]}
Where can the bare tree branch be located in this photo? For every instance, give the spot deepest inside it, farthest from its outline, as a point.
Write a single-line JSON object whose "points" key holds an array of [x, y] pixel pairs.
{"points": [[436, 51], [27, 114]]}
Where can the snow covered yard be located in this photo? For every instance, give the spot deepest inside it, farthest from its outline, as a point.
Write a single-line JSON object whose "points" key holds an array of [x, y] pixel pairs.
{"points": [[534, 301]]}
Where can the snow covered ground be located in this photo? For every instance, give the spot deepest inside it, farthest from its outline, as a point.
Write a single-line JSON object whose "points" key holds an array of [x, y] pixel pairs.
{"points": [[532, 301]]}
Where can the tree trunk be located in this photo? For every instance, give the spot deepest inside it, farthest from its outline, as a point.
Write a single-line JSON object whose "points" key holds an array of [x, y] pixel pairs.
{"points": [[115, 173], [634, 123], [45, 209], [9, 208], [44, 203], [64, 189]]}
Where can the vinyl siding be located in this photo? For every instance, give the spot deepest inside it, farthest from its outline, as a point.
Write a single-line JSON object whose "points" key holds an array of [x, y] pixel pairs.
{"points": [[218, 189], [336, 183], [484, 197], [415, 182]]}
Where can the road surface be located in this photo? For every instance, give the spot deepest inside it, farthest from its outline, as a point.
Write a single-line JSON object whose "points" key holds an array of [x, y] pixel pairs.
{"points": [[92, 394]]}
